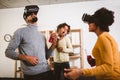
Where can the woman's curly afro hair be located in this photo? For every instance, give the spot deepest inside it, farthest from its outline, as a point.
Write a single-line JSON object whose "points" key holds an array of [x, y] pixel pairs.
{"points": [[105, 18]]}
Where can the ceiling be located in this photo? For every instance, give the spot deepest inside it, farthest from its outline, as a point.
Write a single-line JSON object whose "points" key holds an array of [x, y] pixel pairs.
{"points": [[21, 3]]}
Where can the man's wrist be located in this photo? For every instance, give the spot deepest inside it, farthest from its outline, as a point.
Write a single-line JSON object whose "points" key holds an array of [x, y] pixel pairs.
{"points": [[22, 57]]}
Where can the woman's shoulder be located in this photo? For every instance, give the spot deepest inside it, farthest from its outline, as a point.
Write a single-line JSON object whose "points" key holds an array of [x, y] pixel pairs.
{"points": [[104, 35]]}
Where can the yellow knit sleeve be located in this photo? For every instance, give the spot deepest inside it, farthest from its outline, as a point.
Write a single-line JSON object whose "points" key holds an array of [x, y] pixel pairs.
{"points": [[104, 47]]}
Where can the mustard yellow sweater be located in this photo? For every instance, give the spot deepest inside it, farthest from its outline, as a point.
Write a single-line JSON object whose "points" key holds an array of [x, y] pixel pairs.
{"points": [[107, 59]]}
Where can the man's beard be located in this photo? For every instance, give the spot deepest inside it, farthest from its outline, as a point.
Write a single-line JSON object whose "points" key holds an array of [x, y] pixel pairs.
{"points": [[34, 19]]}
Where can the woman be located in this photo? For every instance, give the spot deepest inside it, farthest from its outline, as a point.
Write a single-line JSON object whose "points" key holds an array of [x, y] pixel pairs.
{"points": [[105, 51]]}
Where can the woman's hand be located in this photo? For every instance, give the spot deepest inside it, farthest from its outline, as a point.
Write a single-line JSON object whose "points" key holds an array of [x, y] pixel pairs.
{"points": [[72, 73]]}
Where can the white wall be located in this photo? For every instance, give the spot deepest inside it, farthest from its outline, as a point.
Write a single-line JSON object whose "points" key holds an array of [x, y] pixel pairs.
{"points": [[49, 17]]}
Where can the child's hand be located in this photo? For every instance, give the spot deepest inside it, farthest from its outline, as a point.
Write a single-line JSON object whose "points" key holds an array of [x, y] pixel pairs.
{"points": [[60, 49]]}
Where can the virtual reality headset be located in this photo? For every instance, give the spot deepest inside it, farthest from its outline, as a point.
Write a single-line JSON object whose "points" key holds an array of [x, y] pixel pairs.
{"points": [[31, 9], [88, 18]]}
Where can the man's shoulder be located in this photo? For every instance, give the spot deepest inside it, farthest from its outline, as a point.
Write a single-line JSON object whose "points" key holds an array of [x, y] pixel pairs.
{"points": [[22, 28]]}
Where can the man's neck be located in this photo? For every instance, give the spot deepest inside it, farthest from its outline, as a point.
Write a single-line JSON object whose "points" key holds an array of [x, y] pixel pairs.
{"points": [[33, 23]]}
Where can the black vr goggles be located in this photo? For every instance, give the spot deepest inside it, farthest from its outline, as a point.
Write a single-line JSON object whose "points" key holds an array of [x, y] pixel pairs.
{"points": [[29, 10], [88, 18]]}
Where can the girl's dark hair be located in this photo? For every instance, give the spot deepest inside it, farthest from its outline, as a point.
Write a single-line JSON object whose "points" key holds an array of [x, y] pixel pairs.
{"points": [[62, 25], [104, 18]]}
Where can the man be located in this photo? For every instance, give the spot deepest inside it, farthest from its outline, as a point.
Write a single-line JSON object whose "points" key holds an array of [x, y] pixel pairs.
{"points": [[32, 48]]}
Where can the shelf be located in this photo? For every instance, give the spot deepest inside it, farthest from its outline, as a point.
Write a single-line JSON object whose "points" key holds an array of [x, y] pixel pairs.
{"points": [[76, 46], [75, 56]]}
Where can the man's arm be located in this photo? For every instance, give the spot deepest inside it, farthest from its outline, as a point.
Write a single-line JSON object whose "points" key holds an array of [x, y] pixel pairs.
{"points": [[49, 51], [13, 45], [31, 60]]}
